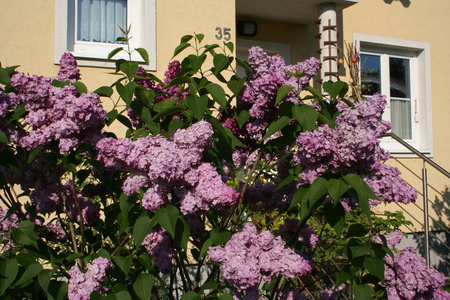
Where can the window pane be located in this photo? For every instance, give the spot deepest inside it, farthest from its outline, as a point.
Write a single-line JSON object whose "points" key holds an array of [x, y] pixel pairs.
{"points": [[99, 20], [401, 118], [370, 74], [399, 77]]}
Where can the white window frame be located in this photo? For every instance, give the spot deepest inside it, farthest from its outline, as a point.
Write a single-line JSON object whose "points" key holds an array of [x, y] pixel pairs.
{"points": [[141, 15], [420, 69]]}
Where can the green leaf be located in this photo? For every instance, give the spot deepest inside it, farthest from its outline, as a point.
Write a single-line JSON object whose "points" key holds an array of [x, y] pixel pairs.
{"points": [[180, 48], [205, 247], [8, 269], [306, 115], [244, 65], [298, 196], [218, 94], [276, 126], [342, 278], [220, 62], [314, 197], [57, 290], [31, 271], [335, 216], [209, 285], [23, 234], [123, 295], [118, 63], [3, 138], [196, 61], [177, 81], [104, 91], [336, 188], [127, 91], [358, 230], [161, 106], [114, 52], [219, 237], [143, 286], [142, 227], [230, 46], [167, 217], [174, 125], [358, 248], [191, 295], [44, 278], [242, 117], [144, 54], [210, 48], [124, 263], [282, 92], [129, 68], [182, 233], [363, 191], [235, 85], [375, 266], [112, 115], [142, 111], [197, 105], [80, 87], [315, 92], [338, 88], [4, 77], [186, 38], [200, 37], [125, 121], [362, 292]]}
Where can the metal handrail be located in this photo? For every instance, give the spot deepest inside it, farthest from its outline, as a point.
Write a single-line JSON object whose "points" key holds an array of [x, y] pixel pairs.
{"points": [[424, 186], [417, 152]]}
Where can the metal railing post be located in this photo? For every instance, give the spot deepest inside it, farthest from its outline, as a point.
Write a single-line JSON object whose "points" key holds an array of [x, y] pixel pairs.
{"points": [[425, 213]]}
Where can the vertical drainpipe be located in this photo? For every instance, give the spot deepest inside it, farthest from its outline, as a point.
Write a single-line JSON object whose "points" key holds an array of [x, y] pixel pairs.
{"points": [[328, 41]]}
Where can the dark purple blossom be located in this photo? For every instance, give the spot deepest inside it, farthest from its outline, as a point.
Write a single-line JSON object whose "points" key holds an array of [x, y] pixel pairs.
{"points": [[158, 243]]}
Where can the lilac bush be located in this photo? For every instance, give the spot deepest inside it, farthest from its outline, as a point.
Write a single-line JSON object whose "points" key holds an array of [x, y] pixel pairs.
{"points": [[225, 191]]}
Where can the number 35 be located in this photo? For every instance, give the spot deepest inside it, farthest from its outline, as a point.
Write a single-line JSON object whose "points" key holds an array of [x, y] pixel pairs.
{"points": [[223, 33]]}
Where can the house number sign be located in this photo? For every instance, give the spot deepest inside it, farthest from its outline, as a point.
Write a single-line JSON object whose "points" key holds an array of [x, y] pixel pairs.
{"points": [[223, 33]]}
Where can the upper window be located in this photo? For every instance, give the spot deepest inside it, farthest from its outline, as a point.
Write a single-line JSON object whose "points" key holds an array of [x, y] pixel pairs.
{"points": [[400, 70], [89, 29]]}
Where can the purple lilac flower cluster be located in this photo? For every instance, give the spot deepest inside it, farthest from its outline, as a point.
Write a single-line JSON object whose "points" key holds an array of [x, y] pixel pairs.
{"points": [[81, 285], [353, 146], [407, 275], [260, 92], [248, 256], [158, 243], [68, 68], [162, 166], [58, 114]]}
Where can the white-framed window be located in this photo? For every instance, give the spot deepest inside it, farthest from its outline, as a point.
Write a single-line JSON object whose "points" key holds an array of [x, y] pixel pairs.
{"points": [[89, 28], [399, 69]]}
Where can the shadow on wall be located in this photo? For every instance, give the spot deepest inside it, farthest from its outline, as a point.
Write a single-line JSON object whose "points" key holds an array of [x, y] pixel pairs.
{"points": [[440, 234], [405, 3]]}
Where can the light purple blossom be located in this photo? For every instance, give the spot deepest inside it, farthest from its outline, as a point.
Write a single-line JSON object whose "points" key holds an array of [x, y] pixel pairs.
{"points": [[161, 167], [408, 277], [81, 285], [353, 147], [248, 257], [68, 68]]}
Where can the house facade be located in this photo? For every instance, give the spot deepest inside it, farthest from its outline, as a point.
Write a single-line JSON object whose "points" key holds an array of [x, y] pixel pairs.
{"points": [[403, 54]]}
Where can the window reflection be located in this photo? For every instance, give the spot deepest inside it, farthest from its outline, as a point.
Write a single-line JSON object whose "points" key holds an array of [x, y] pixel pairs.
{"points": [[370, 74]]}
